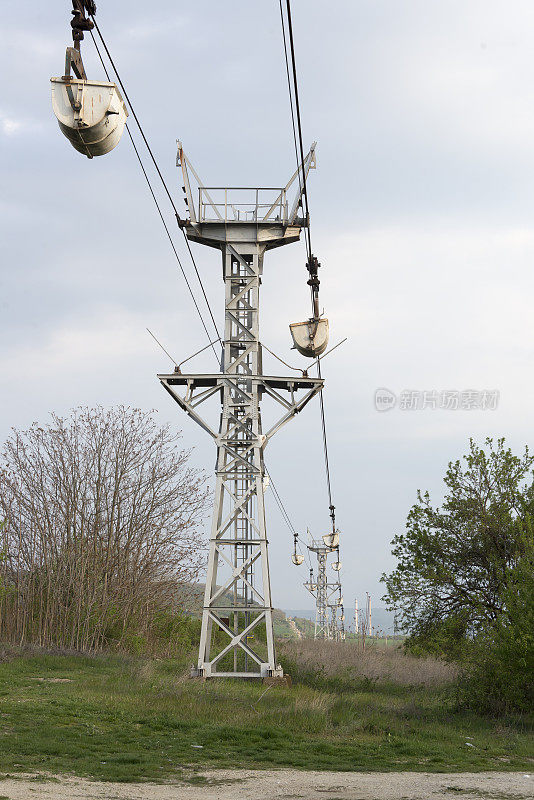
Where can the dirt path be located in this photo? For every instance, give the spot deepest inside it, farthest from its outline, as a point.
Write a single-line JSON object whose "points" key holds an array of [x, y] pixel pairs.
{"points": [[286, 785]]}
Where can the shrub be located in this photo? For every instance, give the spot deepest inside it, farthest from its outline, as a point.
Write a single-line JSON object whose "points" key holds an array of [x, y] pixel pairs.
{"points": [[499, 676], [102, 531]]}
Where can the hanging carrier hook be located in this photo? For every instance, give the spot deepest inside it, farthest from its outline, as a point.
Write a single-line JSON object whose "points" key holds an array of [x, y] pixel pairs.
{"points": [[296, 558], [313, 282], [333, 517], [80, 22], [310, 338]]}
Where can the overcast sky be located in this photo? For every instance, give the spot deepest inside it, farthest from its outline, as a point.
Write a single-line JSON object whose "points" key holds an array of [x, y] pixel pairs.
{"points": [[422, 207]]}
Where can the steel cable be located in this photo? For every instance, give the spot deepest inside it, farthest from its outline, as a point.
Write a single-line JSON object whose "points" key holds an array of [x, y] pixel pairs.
{"points": [[162, 179], [295, 93], [147, 179], [297, 135], [286, 517]]}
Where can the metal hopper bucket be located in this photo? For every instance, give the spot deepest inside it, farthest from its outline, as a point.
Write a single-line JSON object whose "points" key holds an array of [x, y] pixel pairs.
{"points": [[310, 338], [331, 540], [91, 114]]}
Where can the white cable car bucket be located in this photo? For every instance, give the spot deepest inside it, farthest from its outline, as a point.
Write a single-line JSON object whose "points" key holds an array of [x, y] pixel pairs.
{"points": [[331, 539], [296, 557], [310, 338], [336, 566], [91, 114]]}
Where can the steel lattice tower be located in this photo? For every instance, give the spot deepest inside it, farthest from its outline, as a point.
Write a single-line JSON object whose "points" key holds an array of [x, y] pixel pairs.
{"points": [[327, 625], [319, 589], [243, 224]]}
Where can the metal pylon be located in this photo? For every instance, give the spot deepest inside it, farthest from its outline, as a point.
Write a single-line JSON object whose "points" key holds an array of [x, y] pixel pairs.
{"points": [[318, 588], [335, 604], [327, 623], [237, 631]]}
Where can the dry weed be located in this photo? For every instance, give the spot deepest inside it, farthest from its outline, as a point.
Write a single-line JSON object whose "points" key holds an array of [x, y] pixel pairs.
{"points": [[347, 659]]}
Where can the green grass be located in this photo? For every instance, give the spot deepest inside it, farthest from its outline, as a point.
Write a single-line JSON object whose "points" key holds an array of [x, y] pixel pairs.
{"points": [[130, 720]]}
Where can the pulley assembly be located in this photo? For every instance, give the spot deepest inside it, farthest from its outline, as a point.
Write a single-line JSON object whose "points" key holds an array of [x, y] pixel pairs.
{"points": [[91, 114]]}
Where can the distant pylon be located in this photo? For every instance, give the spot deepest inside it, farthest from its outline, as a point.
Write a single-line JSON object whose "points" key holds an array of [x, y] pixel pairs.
{"points": [[329, 611]]}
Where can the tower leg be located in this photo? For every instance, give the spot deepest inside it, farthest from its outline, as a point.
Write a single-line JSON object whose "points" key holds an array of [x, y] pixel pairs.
{"points": [[237, 630]]}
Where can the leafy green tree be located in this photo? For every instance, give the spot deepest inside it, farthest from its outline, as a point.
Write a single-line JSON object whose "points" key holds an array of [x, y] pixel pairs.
{"points": [[454, 562], [499, 675]]}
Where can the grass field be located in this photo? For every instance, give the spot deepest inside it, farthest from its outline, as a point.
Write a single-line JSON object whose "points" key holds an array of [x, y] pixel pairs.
{"points": [[127, 720]]}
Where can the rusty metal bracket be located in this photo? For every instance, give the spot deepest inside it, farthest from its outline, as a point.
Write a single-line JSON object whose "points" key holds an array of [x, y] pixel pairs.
{"points": [[80, 22], [73, 60]]}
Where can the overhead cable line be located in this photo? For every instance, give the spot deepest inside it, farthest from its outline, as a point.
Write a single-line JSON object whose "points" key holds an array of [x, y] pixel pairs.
{"points": [[331, 506], [291, 70], [281, 505], [291, 104], [285, 515], [162, 179], [299, 147], [147, 179]]}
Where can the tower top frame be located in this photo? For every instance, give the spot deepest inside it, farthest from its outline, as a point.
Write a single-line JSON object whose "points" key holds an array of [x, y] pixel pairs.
{"points": [[266, 215]]}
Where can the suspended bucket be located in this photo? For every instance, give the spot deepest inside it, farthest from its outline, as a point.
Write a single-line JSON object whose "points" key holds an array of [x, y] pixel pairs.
{"points": [[297, 559], [331, 539], [310, 338], [336, 566], [91, 114]]}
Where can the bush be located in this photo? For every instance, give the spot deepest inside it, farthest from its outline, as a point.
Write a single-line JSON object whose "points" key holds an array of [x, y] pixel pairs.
{"points": [[103, 531], [499, 676], [454, 561], [446, 639]]}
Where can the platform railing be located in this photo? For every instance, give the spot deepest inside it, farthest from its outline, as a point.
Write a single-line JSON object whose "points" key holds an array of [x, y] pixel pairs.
{"points": [[242, 204]]}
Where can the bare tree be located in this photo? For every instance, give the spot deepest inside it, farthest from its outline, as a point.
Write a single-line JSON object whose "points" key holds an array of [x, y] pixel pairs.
{"points": [[102, 527]]}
